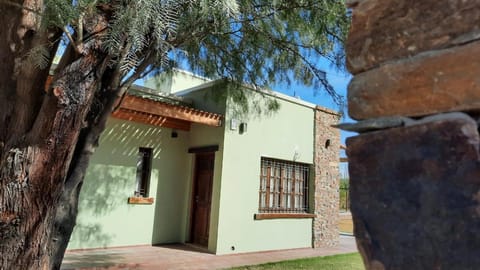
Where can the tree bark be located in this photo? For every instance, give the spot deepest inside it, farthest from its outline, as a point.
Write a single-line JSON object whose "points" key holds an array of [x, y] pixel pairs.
{"points": [[39, 138], [66, 214], [32, 175], [49, 135]]}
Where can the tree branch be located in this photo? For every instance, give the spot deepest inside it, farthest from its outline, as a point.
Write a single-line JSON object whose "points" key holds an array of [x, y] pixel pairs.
{"points": [[148, 60], [70, 38]]}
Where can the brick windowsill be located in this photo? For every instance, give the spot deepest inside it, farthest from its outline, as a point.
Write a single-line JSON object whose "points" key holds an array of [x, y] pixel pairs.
{"points": [[282, 215], [140, 200]]}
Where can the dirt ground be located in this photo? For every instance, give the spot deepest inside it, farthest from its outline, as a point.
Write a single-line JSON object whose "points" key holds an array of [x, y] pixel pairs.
{"points": [[345, 225]]}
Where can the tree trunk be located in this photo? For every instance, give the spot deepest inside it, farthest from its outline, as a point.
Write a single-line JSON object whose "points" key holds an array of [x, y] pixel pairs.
{"points": [[48, 135], [67, 210], [39, 135], [32, 175]]}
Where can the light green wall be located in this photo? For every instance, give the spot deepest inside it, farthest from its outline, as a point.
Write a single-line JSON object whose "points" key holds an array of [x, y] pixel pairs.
{"points": [[286, 134], [201, 135], [205, 136], [173, 192], [105, 218], [176, 81], [206, 99]]}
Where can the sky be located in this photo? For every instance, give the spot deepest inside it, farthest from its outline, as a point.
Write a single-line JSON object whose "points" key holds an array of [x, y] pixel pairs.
{"points": [[339, 81]]}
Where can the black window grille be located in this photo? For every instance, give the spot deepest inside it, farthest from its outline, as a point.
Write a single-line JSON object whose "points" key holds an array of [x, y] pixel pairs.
{"points": [[283, 186], [144, 168]]}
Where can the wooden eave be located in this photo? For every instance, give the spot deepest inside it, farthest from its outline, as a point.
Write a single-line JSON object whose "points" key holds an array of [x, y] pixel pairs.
{"points": [[157, 113]]}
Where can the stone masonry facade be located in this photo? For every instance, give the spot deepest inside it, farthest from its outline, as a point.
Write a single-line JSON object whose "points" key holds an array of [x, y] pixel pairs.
{"points": [[327, 179], [415, 166]]}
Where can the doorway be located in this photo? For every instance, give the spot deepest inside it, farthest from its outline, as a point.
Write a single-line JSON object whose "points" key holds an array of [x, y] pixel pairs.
{"points": [[202, 198]]}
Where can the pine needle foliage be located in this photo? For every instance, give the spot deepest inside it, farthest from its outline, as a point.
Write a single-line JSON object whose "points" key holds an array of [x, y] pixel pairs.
{"points": [[269, 42], [39, 57], [257, 42]]}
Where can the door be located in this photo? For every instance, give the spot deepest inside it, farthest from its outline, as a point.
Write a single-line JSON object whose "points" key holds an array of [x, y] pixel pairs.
{"points": [[202, 198]]}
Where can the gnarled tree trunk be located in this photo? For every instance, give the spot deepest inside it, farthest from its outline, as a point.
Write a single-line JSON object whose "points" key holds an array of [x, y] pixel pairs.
{"points": [[46, 138]]}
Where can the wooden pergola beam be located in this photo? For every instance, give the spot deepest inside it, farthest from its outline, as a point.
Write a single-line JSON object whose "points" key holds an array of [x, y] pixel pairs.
{"points": [[150, 119], [151, 112], [152, 107]]}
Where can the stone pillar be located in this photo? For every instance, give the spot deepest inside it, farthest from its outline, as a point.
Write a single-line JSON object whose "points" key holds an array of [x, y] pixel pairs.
{"points": [[327, 179], [415, 167]]}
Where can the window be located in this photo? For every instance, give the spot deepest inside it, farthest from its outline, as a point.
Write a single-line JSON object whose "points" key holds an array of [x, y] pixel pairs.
{"points": [[283, 186], [144, 167]]}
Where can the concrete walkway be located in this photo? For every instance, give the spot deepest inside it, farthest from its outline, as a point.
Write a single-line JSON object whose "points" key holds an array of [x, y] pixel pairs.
{"points": [[185, 257]]}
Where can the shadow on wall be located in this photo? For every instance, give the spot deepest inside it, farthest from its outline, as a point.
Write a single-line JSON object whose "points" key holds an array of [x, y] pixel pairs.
{"points": [[106, 187], [111, 179], [126, 137], [92, 233]]}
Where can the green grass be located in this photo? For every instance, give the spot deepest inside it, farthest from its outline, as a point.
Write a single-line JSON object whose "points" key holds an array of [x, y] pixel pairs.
{"points": [[351, 261]]}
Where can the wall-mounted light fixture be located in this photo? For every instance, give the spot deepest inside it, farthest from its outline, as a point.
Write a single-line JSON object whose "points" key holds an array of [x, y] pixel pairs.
{"points": [[243, 128], [296, 153], [233, 124]]}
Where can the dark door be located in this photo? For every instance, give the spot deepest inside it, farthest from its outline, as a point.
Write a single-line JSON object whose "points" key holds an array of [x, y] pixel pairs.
{"points": [[202, 198]]}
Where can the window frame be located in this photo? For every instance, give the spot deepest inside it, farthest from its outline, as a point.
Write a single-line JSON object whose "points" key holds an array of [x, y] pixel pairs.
{"points": [[288, 194], [144, 171]]}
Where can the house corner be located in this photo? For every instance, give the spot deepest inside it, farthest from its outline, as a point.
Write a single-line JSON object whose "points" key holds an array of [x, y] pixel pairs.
{"points": [[326, 179]]}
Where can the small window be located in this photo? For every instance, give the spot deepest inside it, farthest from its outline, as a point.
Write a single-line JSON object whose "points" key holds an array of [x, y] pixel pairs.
{"points": [[283, 186], [144, 167]]}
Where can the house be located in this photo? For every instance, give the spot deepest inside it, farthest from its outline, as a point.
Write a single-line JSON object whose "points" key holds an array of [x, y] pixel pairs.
{"points": [[188, 165]]}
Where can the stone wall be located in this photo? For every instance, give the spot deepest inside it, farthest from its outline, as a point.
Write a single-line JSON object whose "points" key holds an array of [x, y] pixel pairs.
{"points": [[415, 167], [327, 179]]}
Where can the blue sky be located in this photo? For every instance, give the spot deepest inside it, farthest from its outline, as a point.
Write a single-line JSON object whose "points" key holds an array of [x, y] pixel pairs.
{"points": [[339, 81]]}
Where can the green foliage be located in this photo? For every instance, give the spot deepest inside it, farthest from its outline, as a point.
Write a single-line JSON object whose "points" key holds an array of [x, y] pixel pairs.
{"points": [[243, 103], [268, 42], [59, 13], [344, 183], [39, 57], [344, 194], [257, 42]]}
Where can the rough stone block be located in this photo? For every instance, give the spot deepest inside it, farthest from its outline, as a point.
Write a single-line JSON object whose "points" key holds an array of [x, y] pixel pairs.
{"points": [[416, 195], [384, 30], [440, 81]]}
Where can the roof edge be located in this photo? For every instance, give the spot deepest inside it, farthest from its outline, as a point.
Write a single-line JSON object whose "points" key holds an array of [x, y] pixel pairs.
{"points": [[264, 91], [327, 110]]}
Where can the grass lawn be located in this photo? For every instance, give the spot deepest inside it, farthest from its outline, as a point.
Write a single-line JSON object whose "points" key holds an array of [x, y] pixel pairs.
{"points": [[351, 261]]}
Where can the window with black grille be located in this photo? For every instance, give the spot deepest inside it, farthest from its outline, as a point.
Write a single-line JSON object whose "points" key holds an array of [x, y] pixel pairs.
{"points": [[283, 186], [144, 168]]}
